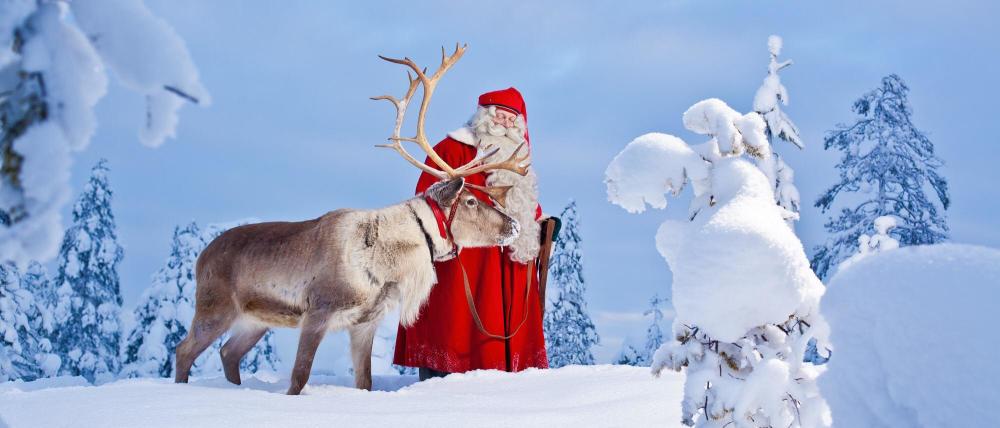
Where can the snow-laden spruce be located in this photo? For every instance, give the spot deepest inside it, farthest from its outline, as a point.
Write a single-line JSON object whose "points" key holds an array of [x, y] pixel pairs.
{"points": [[25, 325], [569, 332], [642, 354], [745, 298], [166, 309], [54, 57], [767, 102], [886, 165], [17, 339], [87, 329], [914, 334], [654, 333], [629, 355]]}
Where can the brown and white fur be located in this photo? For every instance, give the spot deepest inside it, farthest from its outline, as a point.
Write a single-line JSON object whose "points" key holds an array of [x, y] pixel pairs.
{"points": [[343, 270]]}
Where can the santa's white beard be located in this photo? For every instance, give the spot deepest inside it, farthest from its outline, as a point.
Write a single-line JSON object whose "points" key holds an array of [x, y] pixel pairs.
{"points": [[482, 125], [522, 199]]}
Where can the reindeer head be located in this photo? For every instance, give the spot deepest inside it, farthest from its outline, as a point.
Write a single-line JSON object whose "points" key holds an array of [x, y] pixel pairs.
{"points": [[472, 222]]}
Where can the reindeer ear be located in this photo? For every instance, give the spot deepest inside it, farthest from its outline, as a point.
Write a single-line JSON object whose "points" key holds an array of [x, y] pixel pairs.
{"points": [[445, 192]]}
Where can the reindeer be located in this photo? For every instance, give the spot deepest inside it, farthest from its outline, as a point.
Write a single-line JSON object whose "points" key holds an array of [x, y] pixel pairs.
{"points": [[347, 268]]}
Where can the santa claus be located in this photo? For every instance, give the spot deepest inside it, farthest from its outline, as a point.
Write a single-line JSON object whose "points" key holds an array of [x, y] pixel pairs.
{"points": [[500, 326]]}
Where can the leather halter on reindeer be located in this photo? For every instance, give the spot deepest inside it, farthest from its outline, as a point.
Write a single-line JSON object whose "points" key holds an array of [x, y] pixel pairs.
{"points": [[345, 269]]}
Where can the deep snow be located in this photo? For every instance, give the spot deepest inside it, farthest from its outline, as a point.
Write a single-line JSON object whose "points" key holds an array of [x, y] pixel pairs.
{"points": [[598, 396], [914, 338]]}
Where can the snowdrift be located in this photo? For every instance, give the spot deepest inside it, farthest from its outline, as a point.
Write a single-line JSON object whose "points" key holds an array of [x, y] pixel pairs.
{"points": [[599, 396], [915, 338]]}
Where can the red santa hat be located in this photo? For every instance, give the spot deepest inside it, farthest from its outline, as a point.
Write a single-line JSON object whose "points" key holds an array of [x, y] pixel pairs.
{"points": [[508, 99]]}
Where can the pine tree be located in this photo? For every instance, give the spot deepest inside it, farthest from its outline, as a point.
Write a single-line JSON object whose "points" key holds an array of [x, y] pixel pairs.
{"points": [[42, 320], [88, 336], [166, 311], [569, 332], [628, 355], [654, 334], [24, 346], [767, 102], [15, 337], [160, 316], [887, 163]]}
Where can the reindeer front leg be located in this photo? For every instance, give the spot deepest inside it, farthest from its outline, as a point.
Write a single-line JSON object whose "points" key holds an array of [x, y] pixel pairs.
{"points": [[314, 327], [362, 337]]}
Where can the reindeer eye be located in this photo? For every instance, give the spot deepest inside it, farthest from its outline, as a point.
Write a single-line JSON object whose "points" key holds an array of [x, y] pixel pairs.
{"points": [[470, 202]]}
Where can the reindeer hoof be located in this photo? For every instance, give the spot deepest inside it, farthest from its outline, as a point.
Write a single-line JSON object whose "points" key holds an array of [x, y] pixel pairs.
{"points": [[235, 380]]}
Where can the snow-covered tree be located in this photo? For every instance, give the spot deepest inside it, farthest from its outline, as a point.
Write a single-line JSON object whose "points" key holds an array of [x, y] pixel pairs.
{"points": [[767, 102], [15, 332], [36, 281], [642, 354], [165, 309], [745, 298], [88, 333], [654, 334], [165, 312], [881, 240], [628, 355], [42, 319], [54, 57], [569, 331], [25, 350], [886, 165]]}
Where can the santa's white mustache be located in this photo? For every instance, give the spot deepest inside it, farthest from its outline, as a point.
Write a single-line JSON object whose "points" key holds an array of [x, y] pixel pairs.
{"points": [[495, 130]]}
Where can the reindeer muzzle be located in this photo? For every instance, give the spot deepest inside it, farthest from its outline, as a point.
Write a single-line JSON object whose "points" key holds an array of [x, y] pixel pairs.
{"points": [[507, 239]]}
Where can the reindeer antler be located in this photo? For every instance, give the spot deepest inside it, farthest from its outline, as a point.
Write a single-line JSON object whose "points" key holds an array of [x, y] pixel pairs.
{"points": [[512, 163]]}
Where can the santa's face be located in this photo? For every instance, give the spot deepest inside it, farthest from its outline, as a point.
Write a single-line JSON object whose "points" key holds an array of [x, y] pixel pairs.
{"points": [[504, 118], [493, 123]]}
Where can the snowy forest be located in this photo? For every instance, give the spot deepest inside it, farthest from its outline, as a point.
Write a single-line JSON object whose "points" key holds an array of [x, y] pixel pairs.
{"points": [[835, 264]]}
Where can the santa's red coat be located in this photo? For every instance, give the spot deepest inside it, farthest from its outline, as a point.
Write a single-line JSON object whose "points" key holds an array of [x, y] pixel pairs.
{"points": [[445, 337]]}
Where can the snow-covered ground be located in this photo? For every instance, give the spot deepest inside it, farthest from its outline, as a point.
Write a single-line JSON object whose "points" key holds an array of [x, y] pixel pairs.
{"points": [[914, 335], [597, 396]]}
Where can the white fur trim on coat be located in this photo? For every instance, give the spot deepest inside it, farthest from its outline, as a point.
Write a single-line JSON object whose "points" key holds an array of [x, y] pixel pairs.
{"points": [[464, 135]]}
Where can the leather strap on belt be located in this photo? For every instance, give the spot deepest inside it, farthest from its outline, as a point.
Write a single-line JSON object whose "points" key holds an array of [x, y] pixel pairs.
{"points": [[472, 303]]}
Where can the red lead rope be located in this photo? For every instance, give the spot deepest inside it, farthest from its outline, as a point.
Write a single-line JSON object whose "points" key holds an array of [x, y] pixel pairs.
{"points": [[444, 226]]}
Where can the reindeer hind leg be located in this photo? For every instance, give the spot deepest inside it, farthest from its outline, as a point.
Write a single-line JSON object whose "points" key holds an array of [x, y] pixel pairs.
{"points": [[244, 337], [204, 330]]}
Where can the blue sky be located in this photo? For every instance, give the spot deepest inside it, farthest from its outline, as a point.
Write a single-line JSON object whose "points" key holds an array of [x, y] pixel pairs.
{"points": [[291, 130]]}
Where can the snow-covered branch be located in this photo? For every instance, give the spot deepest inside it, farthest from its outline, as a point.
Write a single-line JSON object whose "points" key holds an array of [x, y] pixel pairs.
{"points": [[54, 57]]}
